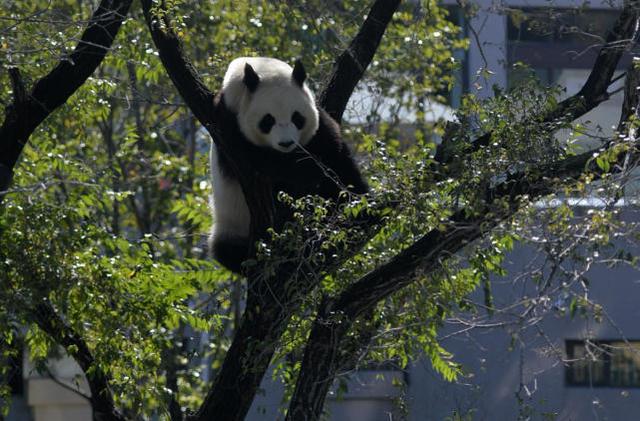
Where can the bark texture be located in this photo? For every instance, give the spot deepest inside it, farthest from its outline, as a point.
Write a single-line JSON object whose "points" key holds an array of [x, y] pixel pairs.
{"points": [[26, 112], [353, 62], [334, 320], [30, 108], [270, 299]]}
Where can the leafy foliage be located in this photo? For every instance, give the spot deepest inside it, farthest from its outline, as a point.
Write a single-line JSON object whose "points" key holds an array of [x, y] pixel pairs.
{"points": [[108, 212]]}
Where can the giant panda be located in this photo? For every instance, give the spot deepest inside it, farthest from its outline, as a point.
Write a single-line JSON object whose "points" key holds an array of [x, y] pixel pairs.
{"points": [[269, 113]]}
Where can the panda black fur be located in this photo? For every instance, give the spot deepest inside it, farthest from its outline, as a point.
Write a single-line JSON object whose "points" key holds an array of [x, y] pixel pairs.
{"points": [[266, 110]]}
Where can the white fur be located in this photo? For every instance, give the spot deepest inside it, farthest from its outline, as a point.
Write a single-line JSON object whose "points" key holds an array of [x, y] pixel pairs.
{"points": [[277, 94], [230, 210]]}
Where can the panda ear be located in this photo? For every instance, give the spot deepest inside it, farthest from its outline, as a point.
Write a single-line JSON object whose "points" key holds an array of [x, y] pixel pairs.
{"points": [[251, 78], [299, 75]]}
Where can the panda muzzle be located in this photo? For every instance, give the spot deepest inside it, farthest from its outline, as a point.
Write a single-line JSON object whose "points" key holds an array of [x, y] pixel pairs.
{"points": [[286, 143]]}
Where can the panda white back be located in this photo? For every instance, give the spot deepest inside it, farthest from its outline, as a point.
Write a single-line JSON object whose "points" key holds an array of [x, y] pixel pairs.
{"points": [[230, 211]]}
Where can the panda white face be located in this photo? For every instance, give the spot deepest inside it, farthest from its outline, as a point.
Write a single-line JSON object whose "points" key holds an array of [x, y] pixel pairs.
{"points": [[274, 106], [279, 117]]}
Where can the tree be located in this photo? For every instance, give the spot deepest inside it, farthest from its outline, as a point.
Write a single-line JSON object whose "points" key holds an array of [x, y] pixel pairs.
{"points": [[94, 260]]}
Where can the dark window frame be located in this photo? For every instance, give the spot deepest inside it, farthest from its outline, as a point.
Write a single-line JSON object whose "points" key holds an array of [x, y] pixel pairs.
{"points": [[606, 363], [554, 52]]}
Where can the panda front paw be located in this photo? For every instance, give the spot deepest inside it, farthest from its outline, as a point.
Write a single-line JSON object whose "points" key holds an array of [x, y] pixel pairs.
{"points": [[230, 252]]}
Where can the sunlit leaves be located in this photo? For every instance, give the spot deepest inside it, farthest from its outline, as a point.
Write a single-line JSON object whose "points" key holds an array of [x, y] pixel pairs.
{"points": [[109, 208]]}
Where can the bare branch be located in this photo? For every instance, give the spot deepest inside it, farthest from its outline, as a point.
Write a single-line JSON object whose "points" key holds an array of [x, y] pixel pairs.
{"points": [[67, 386], [27, 111], [352, 63]]}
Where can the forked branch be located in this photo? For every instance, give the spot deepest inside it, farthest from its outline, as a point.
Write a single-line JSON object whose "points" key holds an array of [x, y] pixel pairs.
{"points": [[335, 318], [619, 39], [29, 109], [352, 63], [266, 316]]}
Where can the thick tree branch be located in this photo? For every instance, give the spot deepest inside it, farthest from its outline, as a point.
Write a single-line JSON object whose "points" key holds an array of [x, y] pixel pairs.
{"points": [[352, 63], [329, 349], [257, 190], [245, 363], [101, 397], [630, 101], [182, 73], [422, 259], [263, 322], [271, 299], [235, 385], [270, 304], [22, 116], [28, 110]]}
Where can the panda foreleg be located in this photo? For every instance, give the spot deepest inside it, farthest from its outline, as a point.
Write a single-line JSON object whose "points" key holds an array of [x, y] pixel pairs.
{"points": [[229, 240]]}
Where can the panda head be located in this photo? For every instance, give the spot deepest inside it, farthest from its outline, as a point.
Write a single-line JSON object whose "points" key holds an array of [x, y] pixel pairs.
{"points": [[273, 105]]}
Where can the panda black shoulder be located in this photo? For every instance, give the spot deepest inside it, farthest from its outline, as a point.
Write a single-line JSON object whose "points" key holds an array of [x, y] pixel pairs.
{"points": [[327, 138], [329, 147]]}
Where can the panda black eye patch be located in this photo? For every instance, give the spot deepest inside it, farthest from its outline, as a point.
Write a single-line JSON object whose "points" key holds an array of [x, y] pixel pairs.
{"points": [[298, 120], [266, 123]]}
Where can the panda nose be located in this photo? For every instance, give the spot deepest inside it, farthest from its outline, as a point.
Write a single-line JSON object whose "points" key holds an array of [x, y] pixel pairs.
{"points": [[286, 144]]}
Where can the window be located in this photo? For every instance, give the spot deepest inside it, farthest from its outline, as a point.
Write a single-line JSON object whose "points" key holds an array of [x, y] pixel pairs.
{"points": [[558, 38], [603, 363], [574, 25], [560, 46]]}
